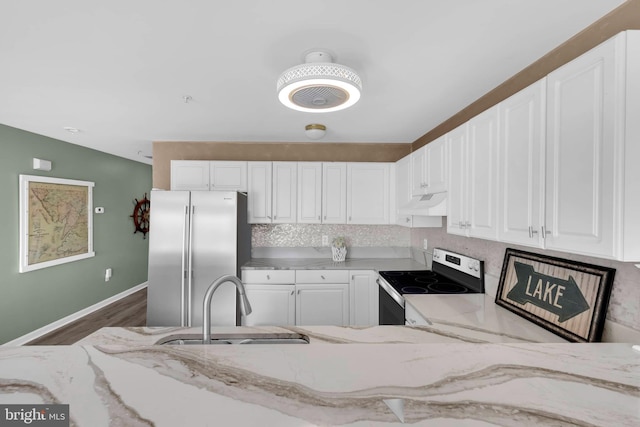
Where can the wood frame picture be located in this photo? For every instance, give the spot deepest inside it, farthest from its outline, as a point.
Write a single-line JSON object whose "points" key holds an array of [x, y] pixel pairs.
{"points": [[56, 221], [569, 298]]}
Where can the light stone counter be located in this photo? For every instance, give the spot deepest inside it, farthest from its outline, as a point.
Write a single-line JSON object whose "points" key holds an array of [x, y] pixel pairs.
{"points": [[136, 336], [377, 264], [355, 384], [477, 318]]}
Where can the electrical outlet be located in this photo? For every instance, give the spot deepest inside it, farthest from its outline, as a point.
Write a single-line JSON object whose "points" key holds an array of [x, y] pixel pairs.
{"points": [[424, 244], [325, 240]]}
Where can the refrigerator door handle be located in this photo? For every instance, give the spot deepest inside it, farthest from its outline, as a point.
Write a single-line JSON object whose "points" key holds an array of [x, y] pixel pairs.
{"points": [[184, 272], [190, 267]]}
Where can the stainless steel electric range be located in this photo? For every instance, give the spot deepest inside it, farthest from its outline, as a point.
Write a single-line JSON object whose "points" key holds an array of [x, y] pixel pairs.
{"points": [[450, 273]]}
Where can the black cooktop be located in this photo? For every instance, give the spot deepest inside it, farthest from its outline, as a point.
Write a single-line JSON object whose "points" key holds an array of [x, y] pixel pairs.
{"points": [[424, 282]]}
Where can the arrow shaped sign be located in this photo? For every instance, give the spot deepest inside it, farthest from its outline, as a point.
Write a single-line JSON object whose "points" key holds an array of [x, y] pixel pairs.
{"points": [[560, 297]]}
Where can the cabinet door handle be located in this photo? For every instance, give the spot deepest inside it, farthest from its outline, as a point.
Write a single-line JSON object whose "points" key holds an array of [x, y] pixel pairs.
{"points": [[544, 232], [268, 277], [323, 277], [292, 292], [275, 216], [268, 217], [460, 224], [325, 217], [298, 291], [349, 219], [319, 217], [408, 219]]}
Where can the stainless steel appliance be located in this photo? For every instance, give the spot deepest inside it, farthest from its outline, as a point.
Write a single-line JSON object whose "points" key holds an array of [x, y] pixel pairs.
{"points": [[450, 273], [195, 237]]}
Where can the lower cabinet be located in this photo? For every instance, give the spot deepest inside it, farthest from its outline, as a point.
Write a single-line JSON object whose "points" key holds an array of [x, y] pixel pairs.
{"points": [[322, 304], [270, 305], [311, 297], [363, 298]]}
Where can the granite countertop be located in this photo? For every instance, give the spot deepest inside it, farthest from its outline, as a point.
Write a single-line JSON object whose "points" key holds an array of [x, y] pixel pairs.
{"points": [[377, 264], [444, 384], [477, 318]]}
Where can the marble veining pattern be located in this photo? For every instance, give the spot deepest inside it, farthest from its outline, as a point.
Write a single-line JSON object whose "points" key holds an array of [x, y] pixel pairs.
{"points": [[440, 384]]}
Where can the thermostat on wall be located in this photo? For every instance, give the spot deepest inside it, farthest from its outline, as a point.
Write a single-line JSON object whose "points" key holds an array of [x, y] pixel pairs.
{"points": [[99, 209]]}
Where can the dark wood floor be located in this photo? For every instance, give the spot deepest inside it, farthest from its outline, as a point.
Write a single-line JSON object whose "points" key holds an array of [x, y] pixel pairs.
{"points": [[129, 311]]}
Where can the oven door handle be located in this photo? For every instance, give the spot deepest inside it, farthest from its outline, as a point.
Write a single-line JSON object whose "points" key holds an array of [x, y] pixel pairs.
{"points": [[392, 292]]}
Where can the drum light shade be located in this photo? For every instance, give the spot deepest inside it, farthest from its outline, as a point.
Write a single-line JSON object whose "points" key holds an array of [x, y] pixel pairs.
{"points": [[319, 85]]}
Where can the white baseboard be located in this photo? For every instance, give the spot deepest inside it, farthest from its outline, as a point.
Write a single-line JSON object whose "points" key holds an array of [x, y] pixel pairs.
{"points": [[73, 317]]}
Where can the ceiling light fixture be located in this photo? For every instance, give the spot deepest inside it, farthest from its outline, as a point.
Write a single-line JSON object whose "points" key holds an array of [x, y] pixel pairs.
{"points": [[319, 85], [315, 131], [71, 130]]}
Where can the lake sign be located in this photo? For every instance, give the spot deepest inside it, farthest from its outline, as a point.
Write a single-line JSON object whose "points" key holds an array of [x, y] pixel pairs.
{"points": [[569, 298]]}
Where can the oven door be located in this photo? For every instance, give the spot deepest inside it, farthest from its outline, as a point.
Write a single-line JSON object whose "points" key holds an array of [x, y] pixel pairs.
{"points": [[390, 312]]}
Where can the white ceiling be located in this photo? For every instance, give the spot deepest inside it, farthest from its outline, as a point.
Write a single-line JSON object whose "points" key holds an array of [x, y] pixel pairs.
{"points": [[118, 69]]}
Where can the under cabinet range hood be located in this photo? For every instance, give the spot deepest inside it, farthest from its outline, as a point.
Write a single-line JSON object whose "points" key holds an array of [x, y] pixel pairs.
{"points": [[431, 204]]}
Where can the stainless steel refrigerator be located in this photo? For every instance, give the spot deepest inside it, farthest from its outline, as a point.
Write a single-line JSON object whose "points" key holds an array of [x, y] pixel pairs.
{"points": [[194, 238]]}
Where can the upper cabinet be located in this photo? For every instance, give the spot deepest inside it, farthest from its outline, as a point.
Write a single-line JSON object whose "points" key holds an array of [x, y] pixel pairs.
{"points": [[429, 168], [228, 176], [189, 175], [472, 198], [209, 175], [272, 192], [569, 153], [368, 193], [592, 103], [521, 166], [403, 188], [309, 192], [334, 193]]}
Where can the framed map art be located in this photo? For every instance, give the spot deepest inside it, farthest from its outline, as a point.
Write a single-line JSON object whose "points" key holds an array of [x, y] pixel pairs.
{"points": [[56, 221]]}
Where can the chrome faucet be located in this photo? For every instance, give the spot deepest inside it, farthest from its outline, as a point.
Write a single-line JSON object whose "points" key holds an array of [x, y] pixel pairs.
{"points": [[245, 307]]}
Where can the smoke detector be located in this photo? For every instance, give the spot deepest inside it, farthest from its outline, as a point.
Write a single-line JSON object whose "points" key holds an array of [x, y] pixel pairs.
{"points": [[319, 85]]}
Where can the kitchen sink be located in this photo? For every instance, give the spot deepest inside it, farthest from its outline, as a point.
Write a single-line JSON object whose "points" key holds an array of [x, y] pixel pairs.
{"points": [[246, 338]]}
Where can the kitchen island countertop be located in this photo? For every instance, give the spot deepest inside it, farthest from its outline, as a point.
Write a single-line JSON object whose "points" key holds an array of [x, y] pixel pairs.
{"points": [[428, 384]]}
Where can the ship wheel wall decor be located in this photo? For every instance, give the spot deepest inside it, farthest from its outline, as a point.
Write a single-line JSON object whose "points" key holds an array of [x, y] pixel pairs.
{"points": [[141, 215]]}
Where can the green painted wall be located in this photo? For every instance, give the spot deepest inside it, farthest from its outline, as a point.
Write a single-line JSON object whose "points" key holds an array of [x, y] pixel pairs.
{"points": [[34, 299]]}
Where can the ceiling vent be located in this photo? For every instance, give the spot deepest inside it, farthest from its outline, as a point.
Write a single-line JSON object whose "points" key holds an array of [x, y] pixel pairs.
{"points": [[319, 85]]}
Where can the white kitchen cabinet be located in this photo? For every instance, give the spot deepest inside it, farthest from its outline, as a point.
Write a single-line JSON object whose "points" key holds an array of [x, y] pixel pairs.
{"points": [[309, 192], [259, 192], [272, 192], [189, 175], [363, 298], [368, 193], [322, 297], [322, 304], [228, 175], [284, 192], [521, 175], [429, 168], [271, 294], [334, 193], [592, 115], [403, 189], [472, 181], [271, 305], [219, 175]]}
